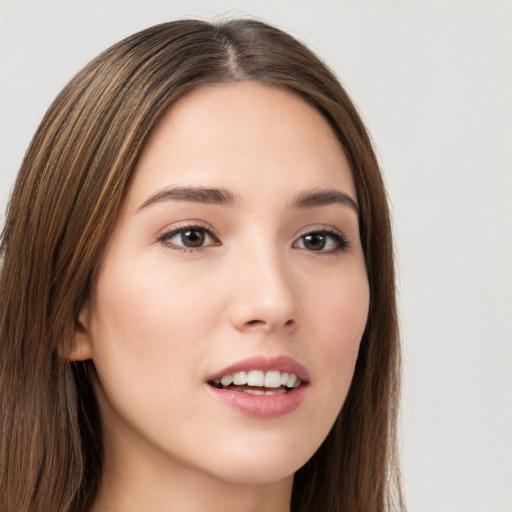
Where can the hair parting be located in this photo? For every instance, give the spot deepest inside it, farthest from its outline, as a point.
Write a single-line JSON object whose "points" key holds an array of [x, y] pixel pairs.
{"points": [[65, 202]]}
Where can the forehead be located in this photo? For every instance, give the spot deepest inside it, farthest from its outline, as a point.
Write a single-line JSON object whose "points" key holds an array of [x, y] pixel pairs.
{"points": [[242, 136]]}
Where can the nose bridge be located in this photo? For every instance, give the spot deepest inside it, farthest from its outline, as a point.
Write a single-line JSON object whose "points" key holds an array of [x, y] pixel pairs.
{"points": [[264, 297]]}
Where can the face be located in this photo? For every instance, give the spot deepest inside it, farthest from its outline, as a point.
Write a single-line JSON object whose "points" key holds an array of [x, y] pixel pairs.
{"points": [[235, 265]]}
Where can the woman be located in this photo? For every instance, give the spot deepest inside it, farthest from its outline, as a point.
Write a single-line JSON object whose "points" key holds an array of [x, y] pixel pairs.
{"points": [[197, 294]]}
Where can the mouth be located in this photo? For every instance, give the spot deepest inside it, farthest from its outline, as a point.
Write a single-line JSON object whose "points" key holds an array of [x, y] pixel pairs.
{"points": [[258, 382], [261, 387]]}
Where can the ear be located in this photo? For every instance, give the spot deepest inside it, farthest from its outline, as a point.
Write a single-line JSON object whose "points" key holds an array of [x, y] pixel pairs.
{"points": [[82, 346]]}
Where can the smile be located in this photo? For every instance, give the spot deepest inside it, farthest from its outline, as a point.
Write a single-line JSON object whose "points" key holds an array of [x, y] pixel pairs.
{"points": [[258, 382], [256, 388]]}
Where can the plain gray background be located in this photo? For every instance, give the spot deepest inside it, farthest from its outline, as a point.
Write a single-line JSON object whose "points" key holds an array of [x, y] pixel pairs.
{"points": [[433, 81]]}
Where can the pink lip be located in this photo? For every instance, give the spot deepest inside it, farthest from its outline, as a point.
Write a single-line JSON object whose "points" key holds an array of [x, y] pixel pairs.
{"points": [[262, 406], [265, 364]]}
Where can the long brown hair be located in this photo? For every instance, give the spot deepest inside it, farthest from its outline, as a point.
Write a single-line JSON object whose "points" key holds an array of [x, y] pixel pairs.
{"points": [[65, 202]]}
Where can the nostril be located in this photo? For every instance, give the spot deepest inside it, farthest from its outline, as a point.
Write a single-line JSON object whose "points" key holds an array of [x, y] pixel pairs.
{"points": [[256, 322], [263, 323]]}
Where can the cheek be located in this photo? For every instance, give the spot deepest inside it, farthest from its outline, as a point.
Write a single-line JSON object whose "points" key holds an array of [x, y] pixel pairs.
{"points": [[345, 319], [150, 325], [339, 310], [161, 301], [338, 319]]}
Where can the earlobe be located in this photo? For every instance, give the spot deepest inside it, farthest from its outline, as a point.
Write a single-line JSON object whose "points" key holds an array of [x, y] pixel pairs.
{"points": [[82, 346]]}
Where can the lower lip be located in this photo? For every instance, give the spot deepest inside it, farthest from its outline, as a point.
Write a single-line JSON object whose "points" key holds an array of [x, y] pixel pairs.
{"points": [[261, 406]]}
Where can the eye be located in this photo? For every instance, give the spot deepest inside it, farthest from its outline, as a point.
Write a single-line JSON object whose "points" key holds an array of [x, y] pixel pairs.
{"points": [[188, 238], [322, 241]]}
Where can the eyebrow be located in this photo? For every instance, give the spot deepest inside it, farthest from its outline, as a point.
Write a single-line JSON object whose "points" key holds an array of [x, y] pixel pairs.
{"points": [[327, 197], [219, 196], [192, 194]]}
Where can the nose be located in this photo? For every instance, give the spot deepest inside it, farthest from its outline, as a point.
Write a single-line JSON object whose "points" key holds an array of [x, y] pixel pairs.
{"points": [[264, 298]]}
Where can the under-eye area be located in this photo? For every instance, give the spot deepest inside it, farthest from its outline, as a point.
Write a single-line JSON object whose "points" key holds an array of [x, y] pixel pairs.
{"points": [[228, 290]]}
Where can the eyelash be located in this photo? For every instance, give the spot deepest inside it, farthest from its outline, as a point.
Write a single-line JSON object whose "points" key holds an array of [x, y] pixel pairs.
{"points": [[165, 237], [341, 243]]}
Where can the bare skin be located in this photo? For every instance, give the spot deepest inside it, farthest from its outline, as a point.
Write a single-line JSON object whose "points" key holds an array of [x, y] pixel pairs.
{"points": [[269, 264]]}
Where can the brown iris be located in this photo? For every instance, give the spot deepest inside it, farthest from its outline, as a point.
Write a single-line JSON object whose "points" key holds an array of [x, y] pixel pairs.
{"points": [[193, 238], [314, 242]]}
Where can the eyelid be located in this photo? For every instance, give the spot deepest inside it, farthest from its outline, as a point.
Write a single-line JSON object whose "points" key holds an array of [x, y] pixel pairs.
{"points": [[342, 243], [338, 235], [175, 229]]}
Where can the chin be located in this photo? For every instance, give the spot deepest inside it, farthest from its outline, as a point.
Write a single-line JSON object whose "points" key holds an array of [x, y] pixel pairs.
{"points": [[261, 463], [269, 472]]}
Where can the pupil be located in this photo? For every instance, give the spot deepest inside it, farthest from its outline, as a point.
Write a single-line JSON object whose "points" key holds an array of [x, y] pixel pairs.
{"points": [[314, 242], [193, 238]]}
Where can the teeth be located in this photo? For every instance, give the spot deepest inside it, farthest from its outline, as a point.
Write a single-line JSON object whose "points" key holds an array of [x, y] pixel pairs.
{"points": [[272, 379], [254, 391], [261, 392], [226, 380], [292, 380], [257, 378], [275, 392], [239, 378]]}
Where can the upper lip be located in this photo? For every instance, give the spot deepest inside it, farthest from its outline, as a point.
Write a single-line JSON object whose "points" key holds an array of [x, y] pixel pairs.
{"points": [[277, 363]]}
